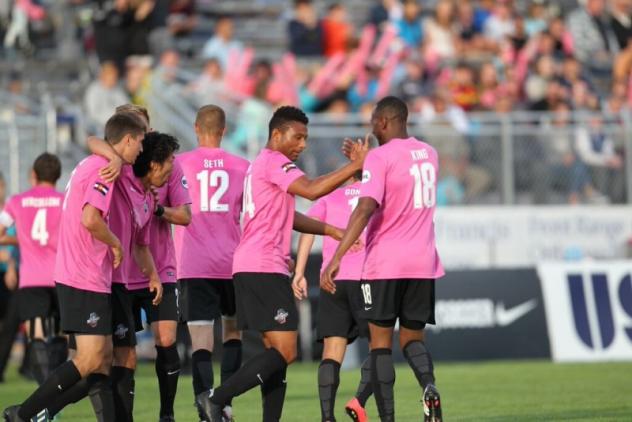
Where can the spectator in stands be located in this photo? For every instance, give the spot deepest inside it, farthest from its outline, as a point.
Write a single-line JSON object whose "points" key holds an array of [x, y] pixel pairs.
{"points": [[622, 70], [409, 26], [441, 108], [488, 87], [209, 86], [305, 30], [137, 74], [140, 26], [593, 39], [252, 122], [182, 18], [337, 30], [414, 84], [536, 19], [220, 45], [110, 20], [596, 149], [568, 174], [500, 25], [537, 83], [463, 88], [440, 33], [385, 11], [167, 72], [621, 21], [103, 96], [18, 30]]}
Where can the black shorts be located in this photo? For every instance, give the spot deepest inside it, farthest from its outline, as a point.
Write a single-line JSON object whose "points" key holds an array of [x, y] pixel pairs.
{"points": [[37, 302], [123, 327], [84, 312], [205, 299], [265, 302], [410, 300], [166, 310], [338, 314]]}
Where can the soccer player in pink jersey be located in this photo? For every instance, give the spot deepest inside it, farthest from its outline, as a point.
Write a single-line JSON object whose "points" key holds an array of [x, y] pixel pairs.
{"points": [[172, 207], [338, 315], [397, 203], [36, 215], [87, 252], [204, 252], [264, 297]]}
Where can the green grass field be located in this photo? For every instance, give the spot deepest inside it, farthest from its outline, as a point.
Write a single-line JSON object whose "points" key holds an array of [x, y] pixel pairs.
{"points": [[500, 391]]}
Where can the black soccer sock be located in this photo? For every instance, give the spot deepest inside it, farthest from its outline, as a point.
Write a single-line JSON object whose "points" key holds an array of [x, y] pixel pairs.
{"points": [[420, 361], [383, 379], [328, 382], [59, 381], [77, 392], [231, 360], [123, 392], [256, 371], [365, 388], [168, 371], [39, 360], [273, 396], [57, 351], [202, 368], [102, 398]]}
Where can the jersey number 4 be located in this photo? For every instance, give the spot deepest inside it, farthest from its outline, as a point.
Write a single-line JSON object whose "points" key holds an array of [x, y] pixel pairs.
{"points": [[425, 190], [217, 179], [38, 230]]}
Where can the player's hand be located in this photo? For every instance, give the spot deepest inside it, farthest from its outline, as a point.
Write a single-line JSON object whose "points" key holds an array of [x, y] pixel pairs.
{"points": [[327, 277], [356, 150], [155, 286], [291, 265], [112, 171], [299, 286], [117, 255], [11, 278], [335, 233]]}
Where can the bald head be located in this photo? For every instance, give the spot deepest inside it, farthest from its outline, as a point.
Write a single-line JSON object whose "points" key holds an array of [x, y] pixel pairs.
{"points": [[210, 121]]}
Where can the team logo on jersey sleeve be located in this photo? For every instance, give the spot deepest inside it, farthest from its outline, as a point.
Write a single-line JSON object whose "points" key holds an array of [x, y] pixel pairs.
{"points": [[101, 188], [185, 183], [281, 316], [288, 166], [366, 176]]}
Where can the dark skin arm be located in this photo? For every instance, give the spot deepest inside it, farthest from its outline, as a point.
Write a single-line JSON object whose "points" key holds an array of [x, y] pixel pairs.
{"points": [[305, 224], [313, 189], [357, 223]]}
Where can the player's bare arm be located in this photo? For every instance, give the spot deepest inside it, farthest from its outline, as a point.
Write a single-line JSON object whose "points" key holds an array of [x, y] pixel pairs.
{"points": [[299, 283], [100, 147], [313, 189], [180, 215], [6, 240], [305, 224], [145, 262], [357, 223], [93, 221]]}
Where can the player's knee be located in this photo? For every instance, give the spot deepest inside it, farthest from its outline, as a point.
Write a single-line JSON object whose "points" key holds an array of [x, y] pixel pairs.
{"points": [[288, 353], [125, 356], [165, 339]]}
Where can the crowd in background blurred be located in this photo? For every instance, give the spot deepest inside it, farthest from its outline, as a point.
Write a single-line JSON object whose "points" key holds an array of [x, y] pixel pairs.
{"points": [[446, 58]]}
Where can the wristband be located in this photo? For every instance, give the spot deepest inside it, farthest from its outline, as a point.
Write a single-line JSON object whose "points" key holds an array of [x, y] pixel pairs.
{"points": [[160, 210]]}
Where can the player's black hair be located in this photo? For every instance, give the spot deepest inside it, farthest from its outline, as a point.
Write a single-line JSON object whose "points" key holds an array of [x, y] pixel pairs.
{"points": [[157, 148], [392, 108], [285, 115], [122, 124], [47, 168]]}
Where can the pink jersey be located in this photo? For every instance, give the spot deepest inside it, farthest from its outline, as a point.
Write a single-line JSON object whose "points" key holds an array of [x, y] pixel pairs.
{"points": [[401, 176], [268, 215], [130, 212], [205, 248], [84, 262], [36, 214], [335, 209], [174, 194]]}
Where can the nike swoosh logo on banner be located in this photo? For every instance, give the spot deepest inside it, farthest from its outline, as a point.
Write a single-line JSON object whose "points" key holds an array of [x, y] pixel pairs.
{"points": [[505, 317]]}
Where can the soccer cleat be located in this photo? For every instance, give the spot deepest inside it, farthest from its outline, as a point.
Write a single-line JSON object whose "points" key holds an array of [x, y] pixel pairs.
{"points": [[209, 411], [227, 414], [432, 404], [167, 418], [10, 414], [355, 411]]}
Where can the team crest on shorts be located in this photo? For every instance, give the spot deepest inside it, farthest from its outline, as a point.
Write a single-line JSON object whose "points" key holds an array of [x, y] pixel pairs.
{"points": [[121, 331], [93, 320], [281, 316]]}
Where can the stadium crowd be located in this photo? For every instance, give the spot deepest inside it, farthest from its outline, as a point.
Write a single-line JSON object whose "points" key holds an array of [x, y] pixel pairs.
{"points": [[446, 59]]}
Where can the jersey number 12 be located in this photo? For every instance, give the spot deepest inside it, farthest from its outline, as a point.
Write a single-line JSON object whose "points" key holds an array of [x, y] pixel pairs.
{"points": [[216, 179]]}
